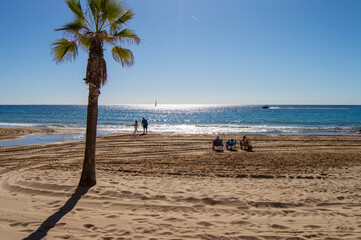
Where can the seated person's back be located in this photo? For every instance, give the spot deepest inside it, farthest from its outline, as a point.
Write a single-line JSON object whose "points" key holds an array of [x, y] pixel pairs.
{"points": [[218, 142]]}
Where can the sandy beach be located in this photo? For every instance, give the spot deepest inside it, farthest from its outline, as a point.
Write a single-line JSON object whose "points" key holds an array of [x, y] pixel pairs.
{"points": [[165, 186]]}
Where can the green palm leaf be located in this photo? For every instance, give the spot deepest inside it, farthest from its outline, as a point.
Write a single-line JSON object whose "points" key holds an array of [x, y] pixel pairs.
{"points": [[72, 27], [112, 9], [75, 7], [64, 49], [94, 6], [128, 36], [123, 56], [128, 15]]}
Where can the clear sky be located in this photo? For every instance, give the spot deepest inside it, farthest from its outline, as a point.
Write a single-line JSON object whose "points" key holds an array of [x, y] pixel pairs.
{"points": [[194, 51]]}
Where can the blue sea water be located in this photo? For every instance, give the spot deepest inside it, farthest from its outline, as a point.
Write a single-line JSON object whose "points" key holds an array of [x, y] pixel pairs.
{"points": [[192, 119]]}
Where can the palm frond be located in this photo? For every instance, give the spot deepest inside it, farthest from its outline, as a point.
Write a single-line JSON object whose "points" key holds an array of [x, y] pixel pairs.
{"points": [[92, 4], [112, 9], [98, 4], [84, 42], [72, 27], [95, 6], [128, 15], [75, 7], [128, 36], [123, 56], [64, 49]]}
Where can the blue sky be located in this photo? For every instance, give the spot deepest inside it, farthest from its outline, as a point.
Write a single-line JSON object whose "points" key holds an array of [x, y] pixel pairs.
{"points": [[194, 51]]}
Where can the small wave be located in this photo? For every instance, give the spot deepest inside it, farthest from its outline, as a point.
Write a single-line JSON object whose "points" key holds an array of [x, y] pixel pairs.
{"points": [[230, 129], [20, 125], [311, 108]]}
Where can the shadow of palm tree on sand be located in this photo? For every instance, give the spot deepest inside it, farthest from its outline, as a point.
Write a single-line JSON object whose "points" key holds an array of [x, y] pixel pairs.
{"points": [[52, 220]]}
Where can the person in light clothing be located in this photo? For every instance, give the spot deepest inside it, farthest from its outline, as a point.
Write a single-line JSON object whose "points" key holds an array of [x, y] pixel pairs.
{"points": [[135, 126], [246, 143]]}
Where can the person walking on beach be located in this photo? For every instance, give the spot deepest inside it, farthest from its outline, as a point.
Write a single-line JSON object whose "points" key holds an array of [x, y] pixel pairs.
{"points": [[145, 126], [135, 126]]}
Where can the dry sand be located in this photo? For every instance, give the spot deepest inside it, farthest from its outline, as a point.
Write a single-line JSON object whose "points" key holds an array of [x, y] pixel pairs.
{"points": [[163, 186]]}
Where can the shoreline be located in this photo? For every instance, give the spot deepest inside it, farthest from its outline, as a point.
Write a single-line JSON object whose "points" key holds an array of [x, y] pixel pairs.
{"points": [[172, 186], [8, 134], [14, 134]]}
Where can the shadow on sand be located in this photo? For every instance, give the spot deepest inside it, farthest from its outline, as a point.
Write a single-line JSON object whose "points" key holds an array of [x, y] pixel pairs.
{"points": [[52, 220]]}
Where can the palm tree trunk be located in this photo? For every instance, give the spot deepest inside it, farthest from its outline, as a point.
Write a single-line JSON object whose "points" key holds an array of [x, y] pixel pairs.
{"points": [[94, 77], [88, 177]]}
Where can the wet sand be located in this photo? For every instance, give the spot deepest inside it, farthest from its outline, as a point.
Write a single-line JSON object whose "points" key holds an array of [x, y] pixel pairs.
{"points": [[164, 186]]}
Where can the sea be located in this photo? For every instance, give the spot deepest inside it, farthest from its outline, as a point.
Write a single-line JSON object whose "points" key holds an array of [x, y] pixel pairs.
{"points": [[191, 119]]}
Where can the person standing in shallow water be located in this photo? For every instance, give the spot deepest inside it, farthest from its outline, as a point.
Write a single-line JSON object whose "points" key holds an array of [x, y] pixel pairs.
{"points": [[145, 126], [135, 126]]}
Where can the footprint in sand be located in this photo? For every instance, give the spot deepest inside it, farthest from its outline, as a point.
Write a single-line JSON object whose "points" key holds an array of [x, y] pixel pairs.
{"points": [[288, 211], [165, 225], [198, 206], [80, 209], [240, 222], [312, 236], [64, 237], [139, 229], [277, 226], [141, 220], [54, 203], [126, 192], [312, 226], [19, 224], [107, 238], [205, 224], [173, 219], [124, 233], [150, 231], [90, 226]]}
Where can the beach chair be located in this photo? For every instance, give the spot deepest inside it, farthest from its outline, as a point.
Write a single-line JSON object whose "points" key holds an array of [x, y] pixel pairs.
{"points": [[231, 144]]}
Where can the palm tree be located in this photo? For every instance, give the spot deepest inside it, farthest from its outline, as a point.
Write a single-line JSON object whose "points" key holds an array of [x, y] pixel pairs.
{"points": [[101, 22]]}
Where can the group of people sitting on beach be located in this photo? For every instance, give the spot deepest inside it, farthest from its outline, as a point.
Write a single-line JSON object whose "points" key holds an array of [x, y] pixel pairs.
{"points": [[245, 144], [144, 125]]}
